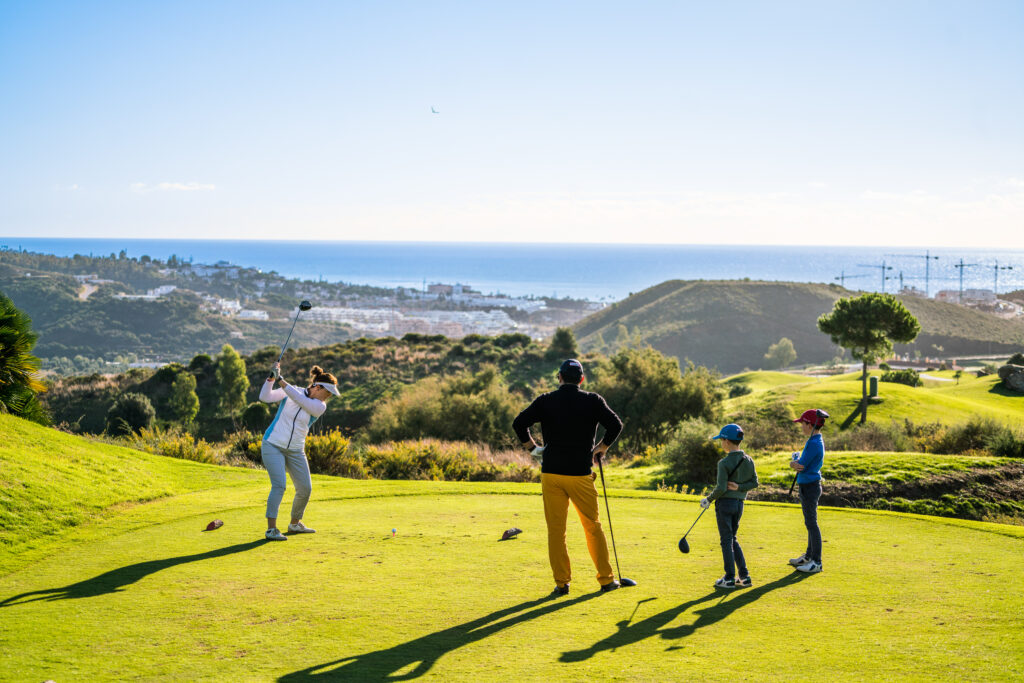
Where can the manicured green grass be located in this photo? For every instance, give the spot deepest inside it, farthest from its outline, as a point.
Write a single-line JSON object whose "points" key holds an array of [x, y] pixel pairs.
{"points": [[945, 402], [140, 592]]}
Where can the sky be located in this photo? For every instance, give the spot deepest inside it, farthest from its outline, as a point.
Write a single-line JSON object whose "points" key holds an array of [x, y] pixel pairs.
{"points": [[831, 123]]}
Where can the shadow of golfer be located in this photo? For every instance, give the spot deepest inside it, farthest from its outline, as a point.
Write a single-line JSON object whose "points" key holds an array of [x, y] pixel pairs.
{"points": [[424, 652], [656, 624], [115, 580]]}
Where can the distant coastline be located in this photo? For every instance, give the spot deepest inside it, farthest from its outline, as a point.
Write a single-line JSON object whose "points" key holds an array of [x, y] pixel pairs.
{"points": [[598, 272]]}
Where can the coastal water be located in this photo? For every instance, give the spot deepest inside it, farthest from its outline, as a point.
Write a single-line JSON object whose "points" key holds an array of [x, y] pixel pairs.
{"points": [[591, 271]]}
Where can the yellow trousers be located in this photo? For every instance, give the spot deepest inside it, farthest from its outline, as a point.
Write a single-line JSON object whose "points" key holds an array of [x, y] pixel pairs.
{"points": [[558, 490]]}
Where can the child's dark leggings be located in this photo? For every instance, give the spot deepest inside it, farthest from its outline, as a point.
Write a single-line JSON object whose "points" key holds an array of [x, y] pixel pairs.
{"points": [[809, 495]]}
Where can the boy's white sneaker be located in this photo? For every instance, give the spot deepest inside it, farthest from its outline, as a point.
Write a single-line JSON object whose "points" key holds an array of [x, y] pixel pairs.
{"points": [[797, 561], [809, 567], [300, 528], [275, 535]]}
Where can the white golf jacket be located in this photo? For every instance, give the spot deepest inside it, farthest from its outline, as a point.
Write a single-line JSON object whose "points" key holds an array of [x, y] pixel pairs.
{"points": [[295, 415]]}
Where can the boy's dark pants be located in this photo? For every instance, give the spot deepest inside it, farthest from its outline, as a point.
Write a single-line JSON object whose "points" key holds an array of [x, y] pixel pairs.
{"points": [[809, 495], [728, 512]]}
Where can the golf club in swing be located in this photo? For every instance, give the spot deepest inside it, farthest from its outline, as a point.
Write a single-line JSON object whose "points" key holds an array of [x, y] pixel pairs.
{"points": [[303, 306], [611, 532], [684, 546]]}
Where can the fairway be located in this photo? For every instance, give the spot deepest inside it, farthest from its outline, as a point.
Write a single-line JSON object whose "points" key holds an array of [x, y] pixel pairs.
{"points": [[145, 594]]}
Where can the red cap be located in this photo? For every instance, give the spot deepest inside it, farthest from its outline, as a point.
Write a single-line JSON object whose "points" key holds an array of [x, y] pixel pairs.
{"points": [[813, 417]]}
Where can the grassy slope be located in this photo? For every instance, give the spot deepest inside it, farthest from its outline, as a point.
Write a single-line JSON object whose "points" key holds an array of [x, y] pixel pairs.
{"points": [[730, 324], [444, 598], [949, 403]]}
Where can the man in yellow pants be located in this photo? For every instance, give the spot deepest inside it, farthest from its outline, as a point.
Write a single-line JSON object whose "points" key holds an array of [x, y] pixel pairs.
{"points": [[569, 419]]}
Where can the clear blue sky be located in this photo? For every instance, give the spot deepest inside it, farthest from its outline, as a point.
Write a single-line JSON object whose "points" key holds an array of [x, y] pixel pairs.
{"points": [[687, 122]]}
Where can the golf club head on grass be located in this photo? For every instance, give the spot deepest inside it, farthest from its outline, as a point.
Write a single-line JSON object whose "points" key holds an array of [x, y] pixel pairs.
{"points": [[684, 546], [626, 582]]}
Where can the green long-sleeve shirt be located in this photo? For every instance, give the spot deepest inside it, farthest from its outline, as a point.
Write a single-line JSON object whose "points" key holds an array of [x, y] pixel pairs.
{"points": [[745, 476]]}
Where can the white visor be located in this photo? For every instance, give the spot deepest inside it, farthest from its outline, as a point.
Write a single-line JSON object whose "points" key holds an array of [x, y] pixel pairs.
{"points": [[333, 388]]}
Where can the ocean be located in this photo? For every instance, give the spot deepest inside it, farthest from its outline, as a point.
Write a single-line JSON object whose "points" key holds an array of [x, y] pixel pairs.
{"points": [[598, 272]]}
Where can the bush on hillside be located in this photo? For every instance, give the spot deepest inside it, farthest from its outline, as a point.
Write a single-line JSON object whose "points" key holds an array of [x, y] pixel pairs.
{"points": [[739, 389], [256, 416], [1007, 444], [463, 407], [173, 443], [691, 456], [973, 435], [332, 453], [245, 446], [652, 396], [563, 345], [872, 436], [129, 414], [768, 425], [439, 461], [1016, 359], [909, 377]]}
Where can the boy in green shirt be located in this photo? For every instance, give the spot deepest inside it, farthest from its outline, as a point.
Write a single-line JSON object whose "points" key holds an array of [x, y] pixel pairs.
{"points": [[736, 476]]}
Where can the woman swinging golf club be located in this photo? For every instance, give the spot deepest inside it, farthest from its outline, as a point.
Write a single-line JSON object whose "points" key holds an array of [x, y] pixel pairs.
{"points": [[285, 440]]}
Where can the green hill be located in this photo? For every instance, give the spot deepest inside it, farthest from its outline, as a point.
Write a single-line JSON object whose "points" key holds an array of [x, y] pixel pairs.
{"points": [[946, 402], [730, 324], [136, 590]]}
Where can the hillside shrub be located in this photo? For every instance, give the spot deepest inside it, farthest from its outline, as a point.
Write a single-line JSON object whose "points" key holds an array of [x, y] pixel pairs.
{"points": [[130, 413], [256, 416], [173, 443], [246, 446], [768, 425], [872, 436], [691, 456], [332, 453], [464, 407], [973, 435], [739, 389], [909, 377], [1007, 444], [440, 461], [652, 396], [1016, 359]]}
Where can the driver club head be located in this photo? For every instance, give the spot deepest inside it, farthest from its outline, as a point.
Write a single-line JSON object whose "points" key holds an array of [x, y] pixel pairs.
{"points": [[684, 546], [626, 582], [305, 305]]}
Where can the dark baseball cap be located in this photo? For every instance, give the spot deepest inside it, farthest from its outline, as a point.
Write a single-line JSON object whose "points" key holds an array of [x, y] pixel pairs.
{"points": [[571, 369]]}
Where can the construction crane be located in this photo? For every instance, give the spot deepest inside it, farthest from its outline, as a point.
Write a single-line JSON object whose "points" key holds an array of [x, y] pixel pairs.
{"points": [[961, 266], [995, 284], [927, 256], [882, 267], [843, 277]]}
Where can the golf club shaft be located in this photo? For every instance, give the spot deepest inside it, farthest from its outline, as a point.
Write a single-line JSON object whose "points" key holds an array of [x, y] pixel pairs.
{"points": [[608, 513], [792, 485], [695, 522], [289, 337]]}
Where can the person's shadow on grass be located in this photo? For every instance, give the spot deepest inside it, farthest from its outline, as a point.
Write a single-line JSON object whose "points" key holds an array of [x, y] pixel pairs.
{"points": [[656, 624], [116, 579], [424, 652]]}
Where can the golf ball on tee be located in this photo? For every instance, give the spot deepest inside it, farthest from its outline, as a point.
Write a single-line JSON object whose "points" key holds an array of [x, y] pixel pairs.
{"points": [[394, 531]]}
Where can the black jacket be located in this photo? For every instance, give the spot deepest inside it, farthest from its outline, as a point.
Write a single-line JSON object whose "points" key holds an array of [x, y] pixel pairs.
{"points": [[569, 418]]}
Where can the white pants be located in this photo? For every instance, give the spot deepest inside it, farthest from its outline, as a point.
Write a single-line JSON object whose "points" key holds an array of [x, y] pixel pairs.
{"points": [[277, 461]]}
